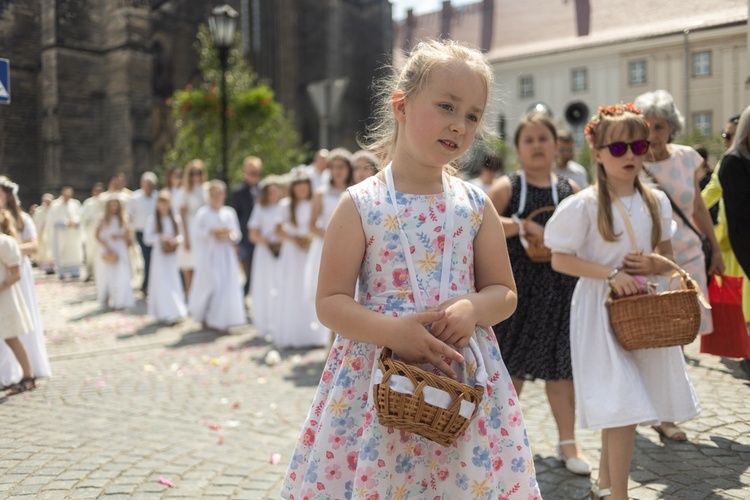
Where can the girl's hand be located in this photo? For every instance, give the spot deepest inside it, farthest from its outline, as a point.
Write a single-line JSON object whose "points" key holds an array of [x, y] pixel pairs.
{"points": [[412, 342], [624, 284], [717, 265], [534, 229], [458, 324], [637, 264]]}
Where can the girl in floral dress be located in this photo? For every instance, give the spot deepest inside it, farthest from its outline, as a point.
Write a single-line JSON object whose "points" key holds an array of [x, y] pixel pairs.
{"points": [[430, 114]]}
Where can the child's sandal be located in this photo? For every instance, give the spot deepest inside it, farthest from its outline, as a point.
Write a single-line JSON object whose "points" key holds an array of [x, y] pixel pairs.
{"points": [[597, 493], [26, 384]]}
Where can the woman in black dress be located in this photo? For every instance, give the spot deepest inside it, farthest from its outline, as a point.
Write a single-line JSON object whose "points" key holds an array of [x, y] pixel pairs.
{"points": [[535, 341]]}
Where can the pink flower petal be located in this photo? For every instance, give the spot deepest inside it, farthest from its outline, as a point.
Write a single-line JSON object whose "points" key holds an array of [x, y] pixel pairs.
{"points": [[166, 482], [275, 458]]}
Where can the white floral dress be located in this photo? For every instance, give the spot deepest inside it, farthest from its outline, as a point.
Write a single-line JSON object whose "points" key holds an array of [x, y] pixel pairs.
{"points": [[343, 451]]}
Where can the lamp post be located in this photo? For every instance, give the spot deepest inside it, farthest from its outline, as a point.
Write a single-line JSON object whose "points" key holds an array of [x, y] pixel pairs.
{"points": [[222, 23]]}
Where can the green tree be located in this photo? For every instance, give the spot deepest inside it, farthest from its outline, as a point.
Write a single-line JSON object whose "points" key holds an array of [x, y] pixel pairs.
{"points": [[256, 123]]}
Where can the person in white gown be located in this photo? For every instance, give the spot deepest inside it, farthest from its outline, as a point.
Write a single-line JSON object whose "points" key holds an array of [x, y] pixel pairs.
{"points": [[65, 225], [91, 214], [43, 256], [192, 196], [216, 298], [113, 262], [266, 273], [324, 202], [166, 299], [27, 240], [13, 311], [298, 325]]}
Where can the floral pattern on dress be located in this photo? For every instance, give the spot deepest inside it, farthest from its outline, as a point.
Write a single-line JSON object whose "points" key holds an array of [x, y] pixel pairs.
{"points": [[343, 451]]}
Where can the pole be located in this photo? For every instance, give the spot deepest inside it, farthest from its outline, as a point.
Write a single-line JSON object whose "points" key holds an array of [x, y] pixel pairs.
{"points": [[688, 118], [223, 59]]}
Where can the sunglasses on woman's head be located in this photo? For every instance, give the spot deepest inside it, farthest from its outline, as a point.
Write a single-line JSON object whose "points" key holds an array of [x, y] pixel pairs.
{"points": [[618, 149]]}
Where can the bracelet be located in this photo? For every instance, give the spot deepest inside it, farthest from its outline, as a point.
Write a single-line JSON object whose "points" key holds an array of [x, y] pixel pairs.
{"points": [[517, 220], [611, 277]]}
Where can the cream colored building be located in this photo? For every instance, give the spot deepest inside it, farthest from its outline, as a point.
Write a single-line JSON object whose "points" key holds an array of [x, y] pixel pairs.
{"points": [[569, 53]]}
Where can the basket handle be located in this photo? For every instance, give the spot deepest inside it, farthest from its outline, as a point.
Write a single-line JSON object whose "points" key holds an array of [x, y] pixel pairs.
{"points": [[538, 211]]}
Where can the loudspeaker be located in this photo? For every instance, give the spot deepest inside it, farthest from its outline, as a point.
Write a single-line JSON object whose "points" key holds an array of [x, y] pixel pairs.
{"points": [[540, 107], [577, 113]]}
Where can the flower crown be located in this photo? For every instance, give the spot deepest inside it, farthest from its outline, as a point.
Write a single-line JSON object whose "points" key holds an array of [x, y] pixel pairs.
{"points": [[12, 186], [605, 110]]}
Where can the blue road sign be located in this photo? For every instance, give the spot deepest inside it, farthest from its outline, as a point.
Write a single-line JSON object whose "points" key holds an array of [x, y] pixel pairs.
{"points": [[4, 81]]}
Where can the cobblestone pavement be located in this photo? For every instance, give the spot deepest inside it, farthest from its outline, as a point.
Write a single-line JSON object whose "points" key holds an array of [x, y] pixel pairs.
{"points": [[132, 405]]}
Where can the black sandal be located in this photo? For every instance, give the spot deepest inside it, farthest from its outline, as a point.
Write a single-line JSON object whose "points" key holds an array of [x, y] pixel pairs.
{"points": [[26, 384]]}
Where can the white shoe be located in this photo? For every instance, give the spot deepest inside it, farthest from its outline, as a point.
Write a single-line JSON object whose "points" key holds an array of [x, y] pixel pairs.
{"points": [[573, 464], [596, 493]]}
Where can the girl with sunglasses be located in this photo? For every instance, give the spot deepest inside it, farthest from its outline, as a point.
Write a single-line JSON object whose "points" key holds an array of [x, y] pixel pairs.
{"points": [[535, 341], [616, 390]]}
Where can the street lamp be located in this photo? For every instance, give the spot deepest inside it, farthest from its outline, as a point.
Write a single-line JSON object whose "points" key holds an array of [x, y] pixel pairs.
{"points": [[222, 24]]}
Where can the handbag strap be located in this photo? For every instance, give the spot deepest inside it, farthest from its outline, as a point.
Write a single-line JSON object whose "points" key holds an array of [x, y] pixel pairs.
{"points": [[628, 226], [524, 192], [445, 270], [675, 208]]}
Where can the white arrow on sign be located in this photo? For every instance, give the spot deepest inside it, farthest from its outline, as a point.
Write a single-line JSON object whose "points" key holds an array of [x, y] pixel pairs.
{"points": [[3, 91]]}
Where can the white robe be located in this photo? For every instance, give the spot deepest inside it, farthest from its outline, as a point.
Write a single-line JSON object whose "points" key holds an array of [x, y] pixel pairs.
{"points": [[266, 272], [298, 325], [34, 342], [113, 279], [91, 214], [216, 295], [67, 246], [166, 297], [43, 256]]}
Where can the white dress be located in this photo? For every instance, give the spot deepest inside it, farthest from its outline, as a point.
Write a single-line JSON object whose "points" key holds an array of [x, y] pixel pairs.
{"points": [[330, 200], [615, 387], [43, 256], [166, 297], [67, 243], [90, 215], [266, 271], [299, 324], [192, 200], [13, 311], [113, 279], [216, 295]]}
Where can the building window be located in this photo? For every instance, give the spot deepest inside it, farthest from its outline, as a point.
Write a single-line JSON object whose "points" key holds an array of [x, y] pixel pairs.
{"points": [[527, 86], [702, 64], [637, 72], [579, 79], [702, 122]]}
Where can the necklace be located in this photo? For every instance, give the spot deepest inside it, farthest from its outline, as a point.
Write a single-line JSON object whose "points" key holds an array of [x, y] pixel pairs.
{"points": [[630, 205]]}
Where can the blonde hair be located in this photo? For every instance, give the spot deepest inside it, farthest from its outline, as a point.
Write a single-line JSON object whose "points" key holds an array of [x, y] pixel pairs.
{"points": [[187, 177], [424, 59], [636, 127], [11, 202]]}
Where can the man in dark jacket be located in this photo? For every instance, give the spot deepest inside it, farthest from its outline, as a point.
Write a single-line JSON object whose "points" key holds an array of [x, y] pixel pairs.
{"points": [[243, 201]]}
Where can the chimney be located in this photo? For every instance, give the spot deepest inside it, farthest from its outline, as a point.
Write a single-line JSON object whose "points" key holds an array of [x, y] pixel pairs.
{"points": [[409, 25], [488, 23], [583, 17], [445, 25]]}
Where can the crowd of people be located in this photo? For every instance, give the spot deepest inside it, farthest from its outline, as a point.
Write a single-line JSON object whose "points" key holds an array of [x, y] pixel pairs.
{"points": [[389, 247]]}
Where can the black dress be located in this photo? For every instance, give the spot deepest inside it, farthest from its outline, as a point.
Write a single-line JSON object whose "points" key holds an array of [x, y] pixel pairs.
{"points": [[535, 340]]}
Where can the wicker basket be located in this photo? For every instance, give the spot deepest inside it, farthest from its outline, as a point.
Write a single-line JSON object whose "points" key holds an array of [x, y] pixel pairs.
{"points": [[110, 257], [535, 249], [664, 319], [411, 413]]}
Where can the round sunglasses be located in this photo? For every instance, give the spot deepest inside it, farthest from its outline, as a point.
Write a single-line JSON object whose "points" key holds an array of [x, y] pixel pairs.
{"points": [[618, 149]]}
